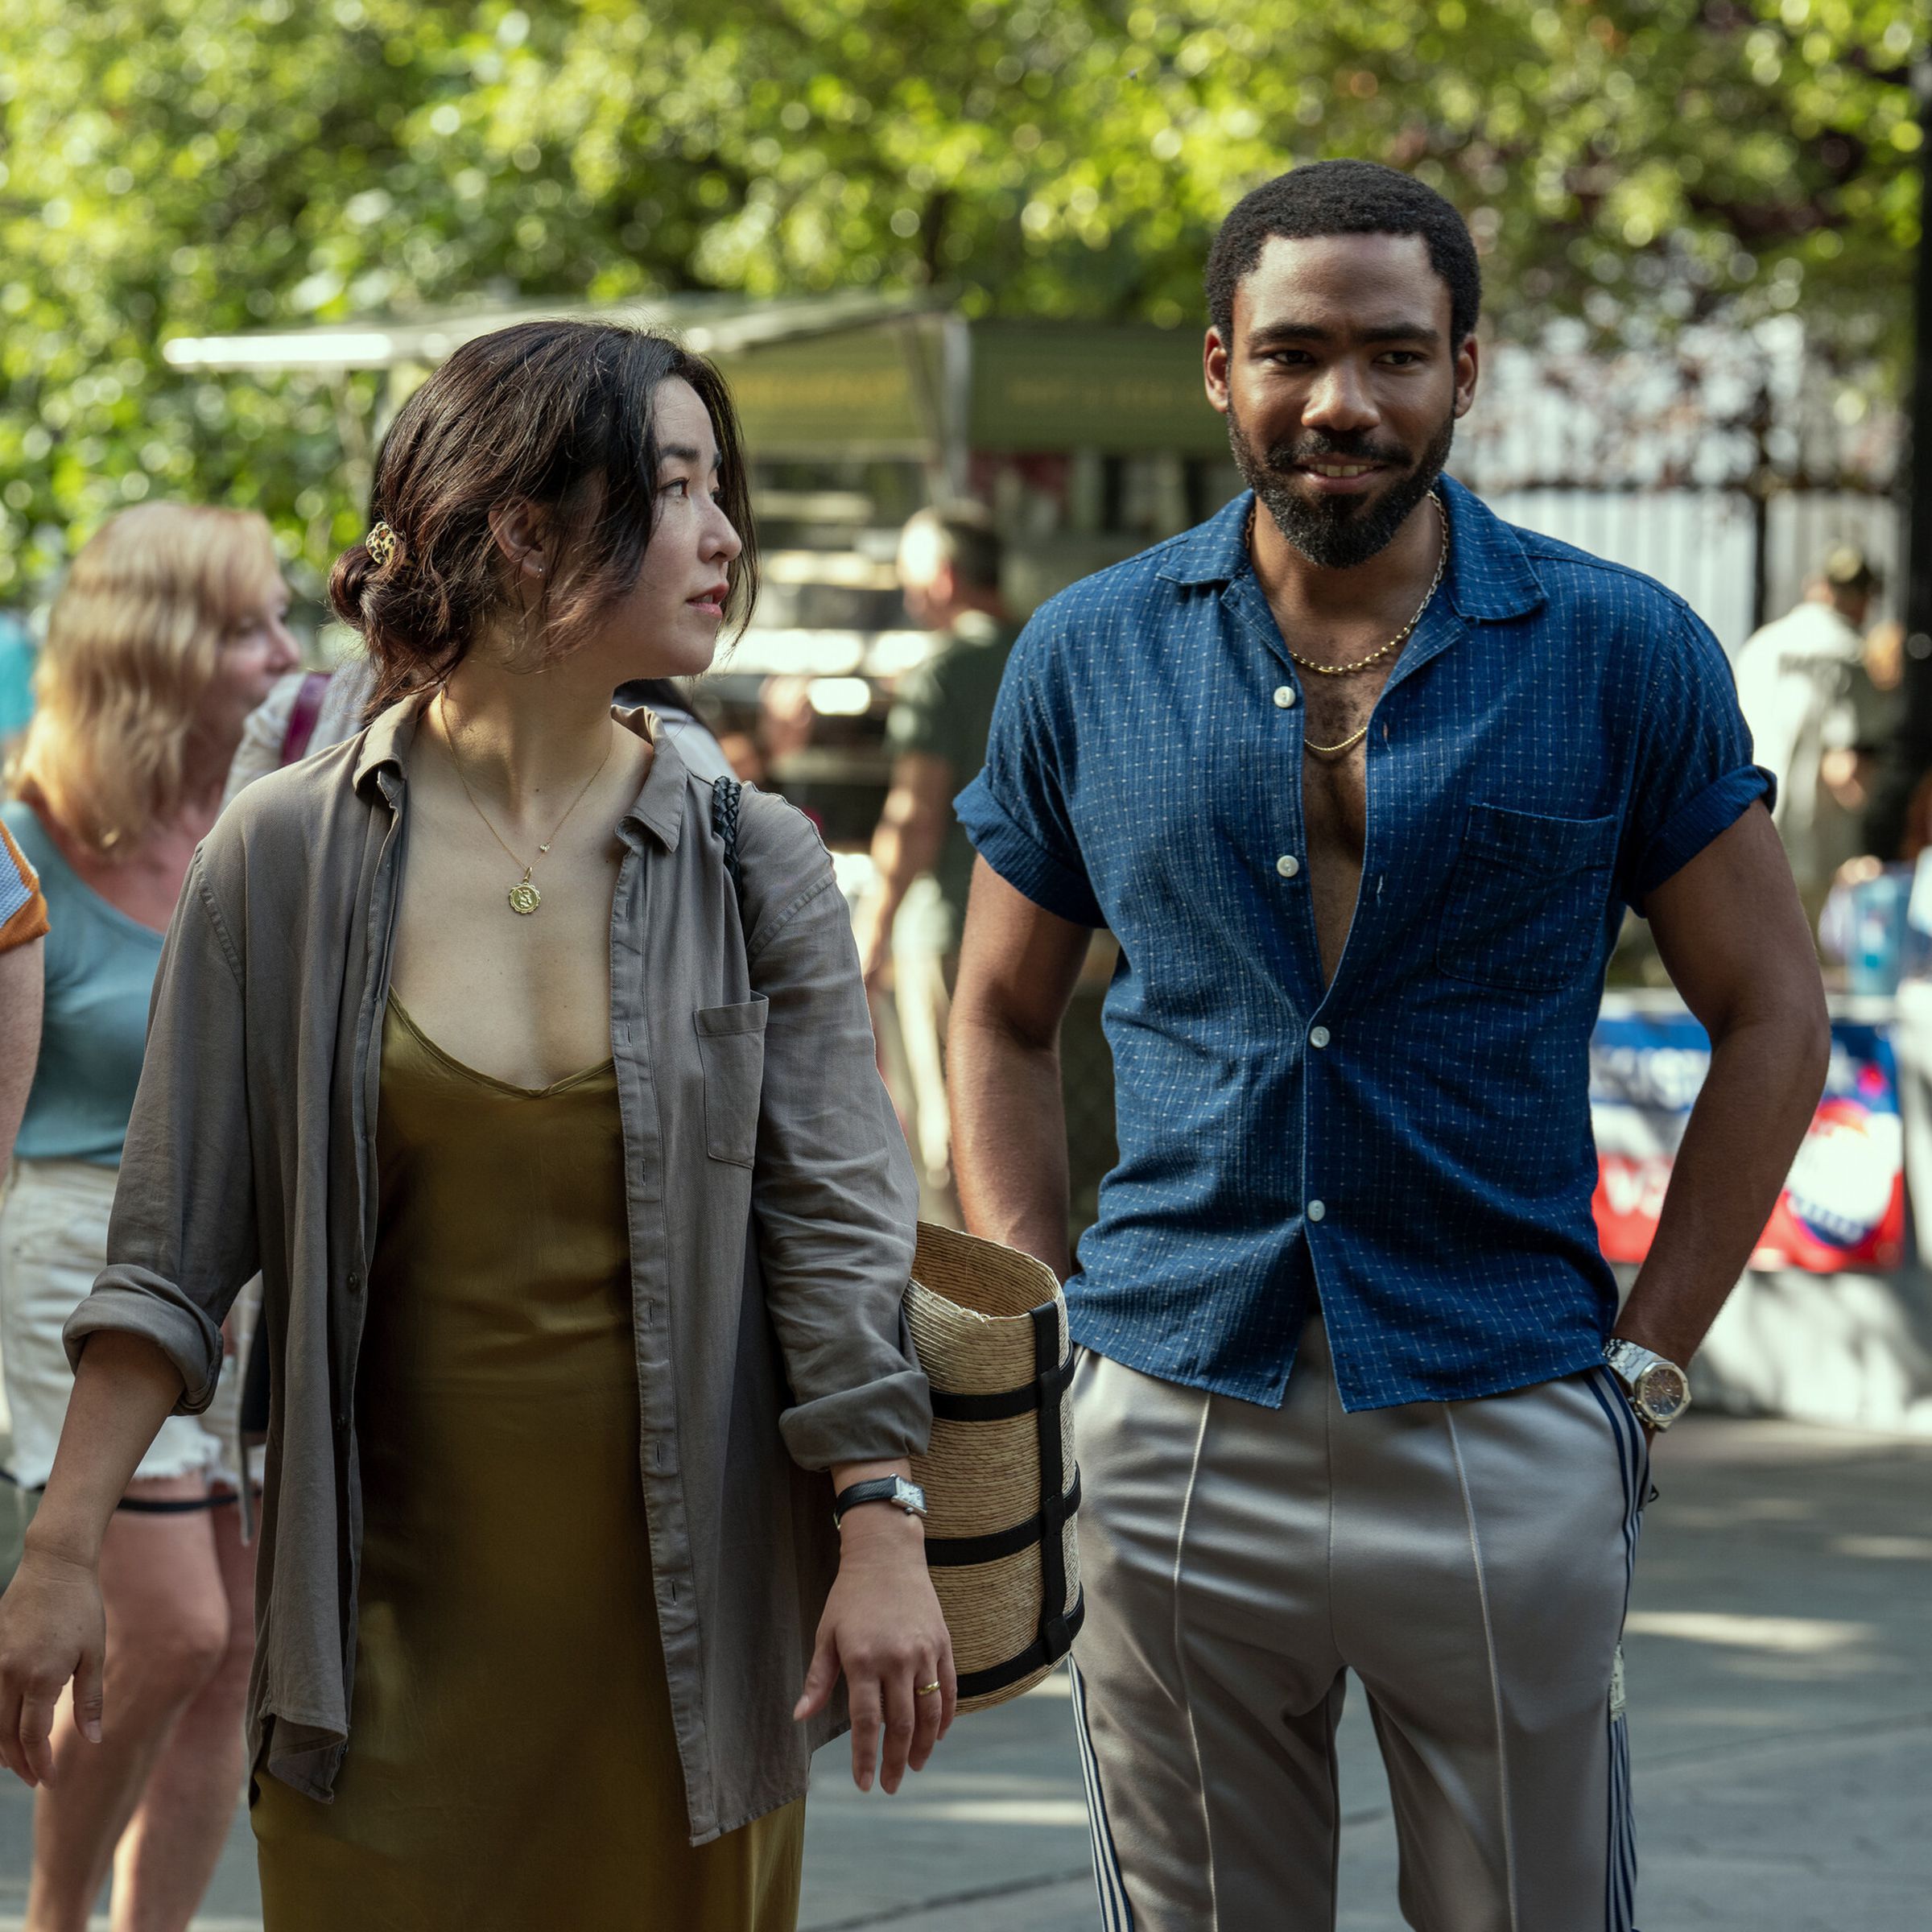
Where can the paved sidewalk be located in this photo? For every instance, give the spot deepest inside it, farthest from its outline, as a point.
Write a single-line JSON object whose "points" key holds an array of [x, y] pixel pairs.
{"points": [[1780, 1663]]}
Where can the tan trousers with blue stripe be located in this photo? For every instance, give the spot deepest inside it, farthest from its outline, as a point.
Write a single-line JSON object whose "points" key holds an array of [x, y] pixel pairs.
{"points": [[1468, 1562]]}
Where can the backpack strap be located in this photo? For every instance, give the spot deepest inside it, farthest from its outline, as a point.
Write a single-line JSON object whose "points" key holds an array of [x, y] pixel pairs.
{"points": [[302, 716], [725, 793]]}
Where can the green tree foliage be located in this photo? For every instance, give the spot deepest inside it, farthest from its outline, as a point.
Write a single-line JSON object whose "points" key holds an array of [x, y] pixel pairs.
{"points": [[171, 167]]}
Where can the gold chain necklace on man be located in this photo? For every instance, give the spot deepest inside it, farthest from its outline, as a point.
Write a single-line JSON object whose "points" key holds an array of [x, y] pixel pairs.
{"points": [[524, 897], [1402, 637], [1348, 744], [1375, 657]]}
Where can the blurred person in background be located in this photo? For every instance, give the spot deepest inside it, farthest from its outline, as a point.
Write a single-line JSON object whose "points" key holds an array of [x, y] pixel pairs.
{"points": [[1873, 712], [1815, 712], [168, 632], [909, 928], [546, 1107]]}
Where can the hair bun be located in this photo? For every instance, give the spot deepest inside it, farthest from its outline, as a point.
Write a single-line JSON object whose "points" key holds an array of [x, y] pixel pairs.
{"points": [[347, 583]]}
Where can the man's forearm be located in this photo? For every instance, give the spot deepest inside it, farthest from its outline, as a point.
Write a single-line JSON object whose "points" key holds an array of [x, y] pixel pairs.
{"points": [[893, 873], [906, 843], [1750, 1118], [1009, 1138]]}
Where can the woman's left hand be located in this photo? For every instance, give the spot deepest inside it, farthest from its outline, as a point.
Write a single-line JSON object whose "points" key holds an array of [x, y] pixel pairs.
{"points": [[883, 1628]]}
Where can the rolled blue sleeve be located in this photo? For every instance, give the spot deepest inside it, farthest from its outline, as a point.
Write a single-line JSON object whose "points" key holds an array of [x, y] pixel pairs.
{"points": [[1017, 812], [1694, 778]]}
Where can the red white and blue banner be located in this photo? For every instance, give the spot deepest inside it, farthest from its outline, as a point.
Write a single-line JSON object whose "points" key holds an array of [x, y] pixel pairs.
{"points": [[1844, 1205]]}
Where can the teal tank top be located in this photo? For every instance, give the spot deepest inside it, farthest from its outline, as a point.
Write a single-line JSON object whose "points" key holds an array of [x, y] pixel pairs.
{"points": [[100, 973]]}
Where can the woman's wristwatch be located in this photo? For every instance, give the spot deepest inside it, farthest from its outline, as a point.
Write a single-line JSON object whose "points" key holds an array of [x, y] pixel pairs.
{"points": [[893, 1489], [1660, 1391]]}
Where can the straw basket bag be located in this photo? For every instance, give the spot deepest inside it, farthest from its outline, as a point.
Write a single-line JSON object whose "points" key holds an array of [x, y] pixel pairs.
{"points": [[1001, 1487]]}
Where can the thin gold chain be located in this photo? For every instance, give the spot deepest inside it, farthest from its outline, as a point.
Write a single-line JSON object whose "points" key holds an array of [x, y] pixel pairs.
{"points": [[1348, 744], [449, 739], [1402, 637]]}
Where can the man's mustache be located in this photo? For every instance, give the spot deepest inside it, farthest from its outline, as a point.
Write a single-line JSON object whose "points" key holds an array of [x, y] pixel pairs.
{"points": [[1285, 456]]}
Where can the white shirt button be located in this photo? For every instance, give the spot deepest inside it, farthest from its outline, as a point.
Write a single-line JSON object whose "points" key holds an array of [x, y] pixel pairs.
{"points": [[1319, 1037], [1287, 865], [1316, 1210], [1284, 696]]}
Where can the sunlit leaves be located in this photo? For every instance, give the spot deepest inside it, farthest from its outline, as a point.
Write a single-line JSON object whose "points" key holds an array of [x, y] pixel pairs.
{"points": [[192, 166]]}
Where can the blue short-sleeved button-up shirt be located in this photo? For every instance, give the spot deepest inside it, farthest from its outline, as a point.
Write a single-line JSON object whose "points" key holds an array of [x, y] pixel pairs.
{"points": [[1412, 1143]]}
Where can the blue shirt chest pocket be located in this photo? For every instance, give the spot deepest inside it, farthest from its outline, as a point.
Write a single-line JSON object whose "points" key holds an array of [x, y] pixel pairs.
{"points": [[1526, 898]]}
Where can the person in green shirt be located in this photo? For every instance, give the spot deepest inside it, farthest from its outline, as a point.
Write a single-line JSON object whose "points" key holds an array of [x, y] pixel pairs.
{"points": [[909, 929]]}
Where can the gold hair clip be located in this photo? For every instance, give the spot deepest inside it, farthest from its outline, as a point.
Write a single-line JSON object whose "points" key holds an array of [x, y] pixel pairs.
{"points": [[381, 544]]}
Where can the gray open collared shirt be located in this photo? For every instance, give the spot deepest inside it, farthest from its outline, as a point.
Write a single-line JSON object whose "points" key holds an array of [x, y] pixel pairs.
{"points": [[771, 1206]]}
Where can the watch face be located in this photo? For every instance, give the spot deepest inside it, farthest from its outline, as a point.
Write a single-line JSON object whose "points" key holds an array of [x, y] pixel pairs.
{"points": [[1663, 1390]]}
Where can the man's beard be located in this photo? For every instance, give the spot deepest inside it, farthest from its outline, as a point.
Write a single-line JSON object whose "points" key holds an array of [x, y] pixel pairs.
{"points": [[1338, 532]]}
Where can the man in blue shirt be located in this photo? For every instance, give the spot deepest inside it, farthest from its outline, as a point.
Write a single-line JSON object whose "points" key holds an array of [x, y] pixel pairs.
{"points": [[1363, 779]]}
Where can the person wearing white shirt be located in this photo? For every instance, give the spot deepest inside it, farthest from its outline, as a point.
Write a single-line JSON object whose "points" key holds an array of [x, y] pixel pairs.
{"points": [[1800, 682]]}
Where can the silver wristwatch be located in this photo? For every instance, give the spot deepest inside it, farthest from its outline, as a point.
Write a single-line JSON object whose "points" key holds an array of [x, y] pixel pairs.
{"points": [[1659, 1390], [893, 1489]]}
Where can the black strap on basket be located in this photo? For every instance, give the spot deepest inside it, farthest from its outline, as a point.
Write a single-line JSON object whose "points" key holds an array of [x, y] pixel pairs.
{"points": [[948, 1405], [1059, 1499], [958, 1552]]}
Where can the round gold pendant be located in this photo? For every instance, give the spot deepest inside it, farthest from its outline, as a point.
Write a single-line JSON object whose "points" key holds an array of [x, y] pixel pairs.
{"points": [[524, 897]]}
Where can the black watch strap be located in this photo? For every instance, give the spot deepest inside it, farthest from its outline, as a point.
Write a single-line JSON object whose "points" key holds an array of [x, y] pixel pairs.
{"points": [[878, 1489]]}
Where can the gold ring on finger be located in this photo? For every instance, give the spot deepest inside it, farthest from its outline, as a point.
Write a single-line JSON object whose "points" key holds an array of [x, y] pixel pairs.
{"points": [[926, 1690]]}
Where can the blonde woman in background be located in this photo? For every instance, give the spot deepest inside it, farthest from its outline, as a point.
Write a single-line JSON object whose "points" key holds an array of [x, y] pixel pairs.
{"points": [[170, 629]]}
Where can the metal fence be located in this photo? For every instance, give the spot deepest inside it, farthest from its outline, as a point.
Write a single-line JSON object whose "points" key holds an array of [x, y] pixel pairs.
{"points": [[1737, 560]]}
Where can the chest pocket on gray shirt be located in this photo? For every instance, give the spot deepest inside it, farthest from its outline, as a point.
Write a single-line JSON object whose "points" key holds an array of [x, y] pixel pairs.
{"points": [[731, 1043], [1525, 905]]}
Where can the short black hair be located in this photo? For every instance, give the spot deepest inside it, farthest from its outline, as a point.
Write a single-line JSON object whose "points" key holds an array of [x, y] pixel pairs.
{"points": [[1848, 568], [1344, 198], [967, 540]]}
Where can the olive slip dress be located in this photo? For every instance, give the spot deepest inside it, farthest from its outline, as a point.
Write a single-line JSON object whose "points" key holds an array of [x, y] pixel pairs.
{"points": [[511, 1759]]}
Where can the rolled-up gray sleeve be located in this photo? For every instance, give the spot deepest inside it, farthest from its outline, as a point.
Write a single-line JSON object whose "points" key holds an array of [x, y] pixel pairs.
{"points": [[182, 1240], [834, 1200]]}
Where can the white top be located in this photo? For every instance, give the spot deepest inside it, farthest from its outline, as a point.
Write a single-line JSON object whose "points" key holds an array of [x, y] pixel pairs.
{"points": [[1796, 683]]}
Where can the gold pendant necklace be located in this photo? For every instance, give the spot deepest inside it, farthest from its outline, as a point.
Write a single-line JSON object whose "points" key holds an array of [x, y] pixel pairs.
{"points": [[524, 897]]}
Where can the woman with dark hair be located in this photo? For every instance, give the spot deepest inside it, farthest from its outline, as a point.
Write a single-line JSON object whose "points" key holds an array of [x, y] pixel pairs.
{"points": [[535, 1074]]}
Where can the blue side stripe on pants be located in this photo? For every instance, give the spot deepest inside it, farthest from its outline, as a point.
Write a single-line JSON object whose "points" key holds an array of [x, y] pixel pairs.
{"points": [[1117, 1914], [1620, 1901]]}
